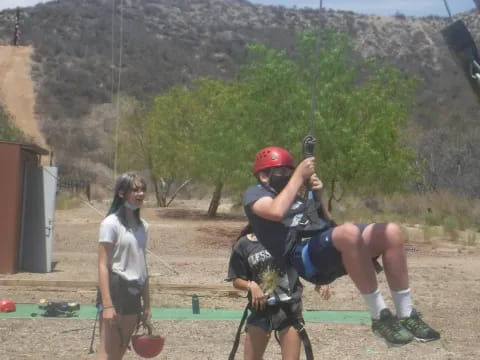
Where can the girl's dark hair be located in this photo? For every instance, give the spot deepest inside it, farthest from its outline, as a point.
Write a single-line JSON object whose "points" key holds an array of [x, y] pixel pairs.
{"points": [[247, 229], [124, 184]]}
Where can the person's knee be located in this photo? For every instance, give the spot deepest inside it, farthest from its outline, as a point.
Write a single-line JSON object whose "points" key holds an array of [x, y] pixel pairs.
{"points": [[347, 236], [395, 235]]}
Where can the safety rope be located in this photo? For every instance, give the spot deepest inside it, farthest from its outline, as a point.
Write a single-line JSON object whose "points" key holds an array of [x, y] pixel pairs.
{"points": [[113, 51], [448, 10], [120, 64], [309, 141], [316, 71]]}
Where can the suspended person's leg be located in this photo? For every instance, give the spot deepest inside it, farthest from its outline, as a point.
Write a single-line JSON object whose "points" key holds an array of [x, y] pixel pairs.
{"points": [[387, 239], [256, 341], [290, 343], [345, 247]]}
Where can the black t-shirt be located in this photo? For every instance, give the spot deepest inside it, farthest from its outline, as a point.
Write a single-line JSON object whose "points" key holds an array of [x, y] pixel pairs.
{"points": [[249, 260], [275, 236]]}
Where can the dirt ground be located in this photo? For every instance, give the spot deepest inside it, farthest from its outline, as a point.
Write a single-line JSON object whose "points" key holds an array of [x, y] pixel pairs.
{"points": [[17, 90], [445, 280]]}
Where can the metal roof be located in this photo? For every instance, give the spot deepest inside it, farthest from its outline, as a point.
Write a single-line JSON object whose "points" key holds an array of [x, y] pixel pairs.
{"points": [[28, 147]]}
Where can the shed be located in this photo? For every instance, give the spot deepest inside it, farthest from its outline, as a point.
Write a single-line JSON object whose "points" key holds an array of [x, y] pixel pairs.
{"points": [[26, 229]]}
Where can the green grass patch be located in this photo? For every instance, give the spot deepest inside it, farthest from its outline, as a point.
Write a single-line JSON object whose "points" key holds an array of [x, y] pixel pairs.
{"points": [[67, 201]]}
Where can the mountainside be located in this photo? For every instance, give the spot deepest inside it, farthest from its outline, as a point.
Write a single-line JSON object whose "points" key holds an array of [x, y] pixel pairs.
{"points": [[16, 90], [167, 42]]}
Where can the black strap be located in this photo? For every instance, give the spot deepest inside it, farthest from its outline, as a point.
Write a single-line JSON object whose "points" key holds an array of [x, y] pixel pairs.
{"points": [[299, 325], [302, 332], [236, 342]]}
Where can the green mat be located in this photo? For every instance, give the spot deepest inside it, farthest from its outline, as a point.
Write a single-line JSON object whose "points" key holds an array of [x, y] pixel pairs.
{"points": [[90, 311]]}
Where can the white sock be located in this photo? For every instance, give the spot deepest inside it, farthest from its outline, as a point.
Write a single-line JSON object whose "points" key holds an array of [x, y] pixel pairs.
{"points": [[375, 303], [403, 302]]}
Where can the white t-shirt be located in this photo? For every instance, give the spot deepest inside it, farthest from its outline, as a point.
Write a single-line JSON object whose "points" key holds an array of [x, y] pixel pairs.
{"points": [[129, 246]]}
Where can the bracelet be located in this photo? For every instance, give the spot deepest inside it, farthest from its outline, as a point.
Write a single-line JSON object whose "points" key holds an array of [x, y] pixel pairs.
{"points": [[249, 286], [108, 307]]}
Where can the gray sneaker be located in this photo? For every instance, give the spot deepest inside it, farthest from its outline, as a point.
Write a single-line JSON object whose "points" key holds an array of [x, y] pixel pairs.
{"points": [[389, 328], [419, 328]]}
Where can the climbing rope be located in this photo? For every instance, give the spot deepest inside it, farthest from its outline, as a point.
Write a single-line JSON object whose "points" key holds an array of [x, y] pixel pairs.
{"points": [[120, 64]]}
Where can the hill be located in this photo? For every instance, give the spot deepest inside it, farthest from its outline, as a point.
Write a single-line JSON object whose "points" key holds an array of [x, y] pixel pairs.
{"points": [[16, 90], [167, 42]]}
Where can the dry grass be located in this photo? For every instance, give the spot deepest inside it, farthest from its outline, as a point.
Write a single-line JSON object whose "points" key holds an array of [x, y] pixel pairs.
{"points": [[66, 201], [429, 218], [453, 212]]}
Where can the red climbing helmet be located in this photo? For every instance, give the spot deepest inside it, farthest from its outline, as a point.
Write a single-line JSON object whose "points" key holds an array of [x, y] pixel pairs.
{"points": [[272, 156], [147, 345], [7, 305]]}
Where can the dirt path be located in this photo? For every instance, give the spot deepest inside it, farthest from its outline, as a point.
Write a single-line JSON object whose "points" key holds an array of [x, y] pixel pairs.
{"points": [[16, 90], [445, 280]]}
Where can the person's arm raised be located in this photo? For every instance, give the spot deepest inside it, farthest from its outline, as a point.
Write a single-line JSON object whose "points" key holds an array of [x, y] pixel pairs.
{"points": [[317, 187], [274, 209]]}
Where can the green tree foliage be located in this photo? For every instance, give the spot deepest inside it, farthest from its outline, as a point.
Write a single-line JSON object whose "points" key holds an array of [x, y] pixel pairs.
{"points": [[362, 109], [8, 132], [220, 136], [359, 108], [156, 137], [357, 111]]}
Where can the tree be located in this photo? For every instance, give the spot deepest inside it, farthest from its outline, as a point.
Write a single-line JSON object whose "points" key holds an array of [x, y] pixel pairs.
{"points": [[212, 130], [362, 110], [156, 136], [357, 110], [220, 136], [8, 131]]}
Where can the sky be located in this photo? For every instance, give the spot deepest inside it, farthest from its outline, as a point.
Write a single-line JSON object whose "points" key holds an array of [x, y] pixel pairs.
{"points": [[380, 7]]}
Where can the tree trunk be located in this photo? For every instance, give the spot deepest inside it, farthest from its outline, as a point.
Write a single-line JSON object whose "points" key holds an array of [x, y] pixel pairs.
{"points": [[164, 189], [217, 195], [185, 183], [158, 197]]}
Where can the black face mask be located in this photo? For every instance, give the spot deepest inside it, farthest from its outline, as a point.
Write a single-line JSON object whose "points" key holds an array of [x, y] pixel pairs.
{"points": [[278, 182]]}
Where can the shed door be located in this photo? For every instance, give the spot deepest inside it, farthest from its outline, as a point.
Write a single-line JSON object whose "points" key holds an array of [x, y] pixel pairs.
{"points": [[38, 218]]}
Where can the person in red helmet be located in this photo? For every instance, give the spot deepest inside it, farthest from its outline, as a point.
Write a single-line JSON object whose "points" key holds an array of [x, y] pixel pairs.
{"points": [[302, 232]]}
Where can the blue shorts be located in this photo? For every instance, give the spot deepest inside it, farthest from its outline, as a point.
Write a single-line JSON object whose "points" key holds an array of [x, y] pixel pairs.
{"points": [[317, 260]]}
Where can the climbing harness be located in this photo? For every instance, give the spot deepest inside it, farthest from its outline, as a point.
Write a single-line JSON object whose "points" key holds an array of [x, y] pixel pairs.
{"points": [[295, 322], [236, 342], [299, 325]]}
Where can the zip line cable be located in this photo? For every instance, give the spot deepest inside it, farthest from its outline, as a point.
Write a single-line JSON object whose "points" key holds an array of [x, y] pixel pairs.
{"points": [[448, 10], [113, 51], [309, 141], [315, 76], [120, 64]]}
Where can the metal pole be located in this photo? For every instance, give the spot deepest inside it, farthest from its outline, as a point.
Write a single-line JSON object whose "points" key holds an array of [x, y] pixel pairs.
{"points": [[448, 9], [16, 34]]}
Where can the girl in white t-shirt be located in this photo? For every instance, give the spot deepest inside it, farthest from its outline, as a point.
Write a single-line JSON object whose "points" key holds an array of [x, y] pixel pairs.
{"points": [[122, 269]]}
